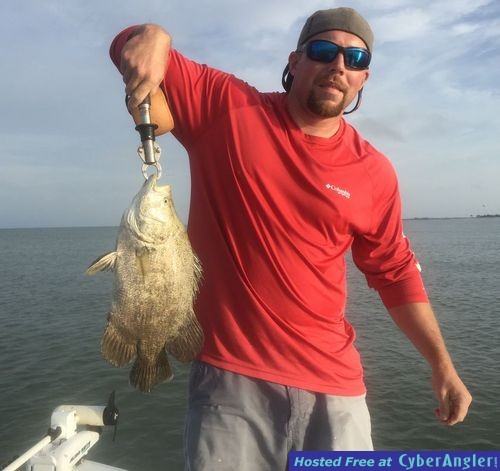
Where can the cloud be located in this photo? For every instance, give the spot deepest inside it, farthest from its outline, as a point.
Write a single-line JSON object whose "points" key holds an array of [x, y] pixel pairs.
{"points": [[465, 28], [431, 102], [379, 130], [402, 25]]}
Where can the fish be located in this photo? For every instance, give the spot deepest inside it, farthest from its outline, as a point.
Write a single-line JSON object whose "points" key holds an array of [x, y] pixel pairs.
{"points": [[156, 280]]}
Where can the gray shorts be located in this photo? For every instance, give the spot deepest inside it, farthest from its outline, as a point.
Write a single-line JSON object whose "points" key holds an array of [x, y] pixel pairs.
{"points": [[239, 423]]}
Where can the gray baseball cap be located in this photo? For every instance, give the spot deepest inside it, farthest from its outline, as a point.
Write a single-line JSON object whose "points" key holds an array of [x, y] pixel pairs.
{"points": [[342, 19]]}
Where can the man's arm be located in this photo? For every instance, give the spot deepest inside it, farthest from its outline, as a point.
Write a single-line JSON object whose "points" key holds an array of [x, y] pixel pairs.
{"points": [[418, 322]]}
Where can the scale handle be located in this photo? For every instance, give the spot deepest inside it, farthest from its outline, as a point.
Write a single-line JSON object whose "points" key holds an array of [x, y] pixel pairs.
{"points": [[159, 113]]}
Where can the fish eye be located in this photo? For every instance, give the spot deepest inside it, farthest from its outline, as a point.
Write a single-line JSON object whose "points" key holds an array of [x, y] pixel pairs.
{"points": [[165, 200]]}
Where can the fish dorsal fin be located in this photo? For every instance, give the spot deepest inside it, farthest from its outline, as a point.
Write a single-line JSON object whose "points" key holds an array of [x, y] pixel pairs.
{"points": [[105, 262]]}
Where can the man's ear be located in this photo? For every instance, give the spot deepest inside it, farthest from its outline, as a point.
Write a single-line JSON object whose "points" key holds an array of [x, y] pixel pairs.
{"points": [[293, 60], [367, 74]]}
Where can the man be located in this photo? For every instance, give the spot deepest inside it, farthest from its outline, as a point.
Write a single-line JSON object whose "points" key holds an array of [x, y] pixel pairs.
{"points": [[282, 187]]}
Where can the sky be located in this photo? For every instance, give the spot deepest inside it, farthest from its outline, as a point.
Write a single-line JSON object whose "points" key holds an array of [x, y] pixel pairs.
{"points": [[68, 147]]}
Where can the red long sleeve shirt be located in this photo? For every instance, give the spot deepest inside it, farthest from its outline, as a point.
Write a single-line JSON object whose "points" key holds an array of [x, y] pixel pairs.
{"points": [[273, 212]]}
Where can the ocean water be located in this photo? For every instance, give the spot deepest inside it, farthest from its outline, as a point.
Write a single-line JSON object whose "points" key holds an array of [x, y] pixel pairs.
{"points": [[52, 316]]}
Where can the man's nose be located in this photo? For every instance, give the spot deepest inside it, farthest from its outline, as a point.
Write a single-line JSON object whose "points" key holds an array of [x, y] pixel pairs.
{"points": [[338, 64]]}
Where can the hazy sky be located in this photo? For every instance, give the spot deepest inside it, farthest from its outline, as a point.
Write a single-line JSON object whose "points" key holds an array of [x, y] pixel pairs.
{"points": [[68, 145]]}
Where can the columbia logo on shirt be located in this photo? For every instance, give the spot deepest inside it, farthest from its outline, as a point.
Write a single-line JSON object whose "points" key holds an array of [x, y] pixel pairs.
{"points": [[338, 190]]}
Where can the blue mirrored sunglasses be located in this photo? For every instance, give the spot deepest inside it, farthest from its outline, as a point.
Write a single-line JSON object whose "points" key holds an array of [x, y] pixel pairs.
{"points": [[321, 50]]}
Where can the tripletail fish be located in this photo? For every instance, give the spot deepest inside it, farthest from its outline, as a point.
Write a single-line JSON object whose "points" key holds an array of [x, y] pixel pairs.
{"points": [[156, 281]]}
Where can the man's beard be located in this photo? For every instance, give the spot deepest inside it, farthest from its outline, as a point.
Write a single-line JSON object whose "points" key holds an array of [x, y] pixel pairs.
{"points": [[322, 106]]}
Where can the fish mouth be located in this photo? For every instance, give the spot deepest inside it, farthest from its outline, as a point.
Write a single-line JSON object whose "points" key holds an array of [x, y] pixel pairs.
{"points": [[152, 184]]}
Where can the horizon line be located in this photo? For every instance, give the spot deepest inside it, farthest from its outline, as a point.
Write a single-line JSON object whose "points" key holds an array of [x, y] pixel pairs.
{"points": [[416, 218]]}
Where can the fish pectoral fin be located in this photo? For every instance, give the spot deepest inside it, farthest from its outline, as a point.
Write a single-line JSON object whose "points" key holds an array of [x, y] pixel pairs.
{"points": [[143, 262], [105, 262]]}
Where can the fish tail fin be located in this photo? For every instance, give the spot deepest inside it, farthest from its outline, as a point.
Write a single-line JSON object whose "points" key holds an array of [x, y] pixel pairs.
{"points": [[145, 374], [115, 348], [188, 342], [105, 262]]}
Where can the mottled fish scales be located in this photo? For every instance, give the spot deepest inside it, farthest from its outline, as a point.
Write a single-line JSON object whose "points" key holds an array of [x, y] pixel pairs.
{"points": [[155, 285]]}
